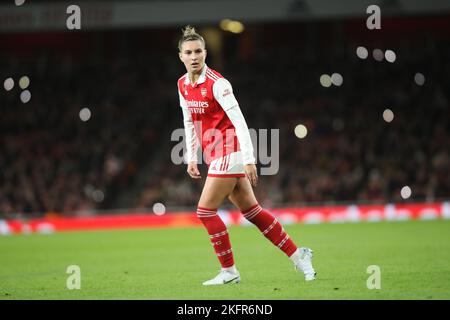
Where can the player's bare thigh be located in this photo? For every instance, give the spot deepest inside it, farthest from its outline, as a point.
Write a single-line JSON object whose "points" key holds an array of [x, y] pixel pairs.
{"points": [[242, 195], [215, 190]]}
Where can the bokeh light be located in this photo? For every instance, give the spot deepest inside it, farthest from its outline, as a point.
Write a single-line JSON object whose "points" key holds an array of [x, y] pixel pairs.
{"points": [[362, 52], [325, 80], [8, 84], [378, 55], [390, 56], [98, 195], [337, 79], [24, 82], [388, 115], [159, 209], [405, 192], [25, 96], [419, 79], [232, 26], [85, 114], [301, 131]]}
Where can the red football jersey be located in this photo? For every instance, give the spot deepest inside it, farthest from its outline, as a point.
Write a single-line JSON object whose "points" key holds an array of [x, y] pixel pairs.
{"points": [[213, 128]]}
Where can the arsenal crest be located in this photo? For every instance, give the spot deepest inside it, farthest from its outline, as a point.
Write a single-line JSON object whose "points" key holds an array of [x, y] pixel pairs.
{"points": [[203, 92]]}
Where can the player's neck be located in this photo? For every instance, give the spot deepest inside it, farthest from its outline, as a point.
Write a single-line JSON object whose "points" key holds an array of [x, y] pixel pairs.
{"points": [[193, 77]]}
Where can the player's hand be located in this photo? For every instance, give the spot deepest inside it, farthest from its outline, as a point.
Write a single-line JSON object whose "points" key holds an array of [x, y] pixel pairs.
{"points": [[193, 170], [250, 172]]}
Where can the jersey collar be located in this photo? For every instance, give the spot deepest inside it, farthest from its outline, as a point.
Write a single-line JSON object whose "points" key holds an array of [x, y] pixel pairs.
{"points": [[200, 80]]}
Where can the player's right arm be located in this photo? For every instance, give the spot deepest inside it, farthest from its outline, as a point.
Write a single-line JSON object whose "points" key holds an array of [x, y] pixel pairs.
{"points": [[191, 139]]}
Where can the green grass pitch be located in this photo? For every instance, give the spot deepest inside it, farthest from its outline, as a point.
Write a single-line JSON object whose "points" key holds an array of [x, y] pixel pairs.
{"points": [[413, 256]]}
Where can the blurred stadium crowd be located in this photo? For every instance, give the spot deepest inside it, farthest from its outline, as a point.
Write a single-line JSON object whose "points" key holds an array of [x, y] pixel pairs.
{"points": [[53, 162]]}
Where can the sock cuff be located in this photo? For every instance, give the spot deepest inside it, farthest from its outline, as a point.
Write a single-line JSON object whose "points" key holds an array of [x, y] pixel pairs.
{"points": [[250, 209], [252, 212], [205, 212]]}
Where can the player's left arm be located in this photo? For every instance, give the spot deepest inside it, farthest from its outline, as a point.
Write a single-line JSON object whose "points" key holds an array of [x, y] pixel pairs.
{"points": [[223, 93]]}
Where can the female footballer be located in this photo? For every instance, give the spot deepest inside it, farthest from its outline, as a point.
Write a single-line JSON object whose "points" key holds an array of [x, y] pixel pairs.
{"points": [[212, 118]]}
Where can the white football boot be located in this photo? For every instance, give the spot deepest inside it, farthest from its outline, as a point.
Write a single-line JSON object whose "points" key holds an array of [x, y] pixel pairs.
{"points": [[224, 277], [304, 263]]}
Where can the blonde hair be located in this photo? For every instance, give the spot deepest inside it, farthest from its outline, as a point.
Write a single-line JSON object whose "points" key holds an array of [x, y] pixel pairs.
{"points": [[189, 34]]}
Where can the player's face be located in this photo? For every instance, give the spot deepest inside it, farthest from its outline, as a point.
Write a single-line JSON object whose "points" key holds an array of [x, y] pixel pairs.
{"points": [[193, 55]]}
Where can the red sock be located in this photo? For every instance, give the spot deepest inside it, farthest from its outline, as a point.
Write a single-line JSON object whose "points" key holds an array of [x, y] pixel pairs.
{"points": [[218, 235], [270, 228]]}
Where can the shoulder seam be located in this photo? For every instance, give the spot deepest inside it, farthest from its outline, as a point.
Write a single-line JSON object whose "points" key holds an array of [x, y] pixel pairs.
{"points": [[215, 73], [212, 76]]}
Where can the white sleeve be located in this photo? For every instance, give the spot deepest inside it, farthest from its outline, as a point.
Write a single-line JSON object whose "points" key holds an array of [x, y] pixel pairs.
{"points": [[189, 130], [223, 93]]}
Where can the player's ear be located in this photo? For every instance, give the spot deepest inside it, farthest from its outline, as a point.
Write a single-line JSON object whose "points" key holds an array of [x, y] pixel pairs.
{"points": [[206, 53], [180, 56]]}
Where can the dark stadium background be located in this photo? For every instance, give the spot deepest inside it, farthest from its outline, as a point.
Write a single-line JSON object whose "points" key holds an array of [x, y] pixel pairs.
{"points": [[52, 163]]}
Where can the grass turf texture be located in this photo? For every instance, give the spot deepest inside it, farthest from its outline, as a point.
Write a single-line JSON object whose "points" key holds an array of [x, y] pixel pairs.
{"points": [[414, 257]]}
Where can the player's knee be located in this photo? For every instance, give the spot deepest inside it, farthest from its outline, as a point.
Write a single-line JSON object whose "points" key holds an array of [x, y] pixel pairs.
{"points": [[242, 202]]}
